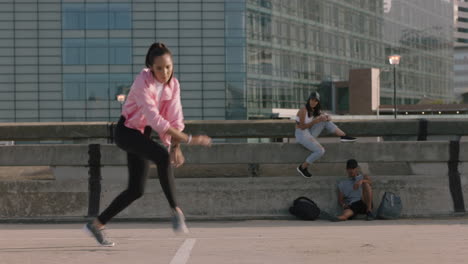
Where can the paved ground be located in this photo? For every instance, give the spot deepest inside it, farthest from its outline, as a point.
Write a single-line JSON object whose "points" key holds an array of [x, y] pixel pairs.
{"points": [[402, 241]]}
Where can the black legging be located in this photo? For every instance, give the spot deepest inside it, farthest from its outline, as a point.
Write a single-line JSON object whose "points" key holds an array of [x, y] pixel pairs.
{"points": [[140, 149]]}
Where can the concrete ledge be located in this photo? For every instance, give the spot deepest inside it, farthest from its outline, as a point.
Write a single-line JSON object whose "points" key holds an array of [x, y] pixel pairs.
{"points": [[66, 173], [77, 155], [233, 128], [26, 173], [43, 199], [222, 197], [54, 130]]}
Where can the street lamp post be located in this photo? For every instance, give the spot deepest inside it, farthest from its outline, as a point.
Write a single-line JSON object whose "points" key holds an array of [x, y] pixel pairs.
{"points": [[394, 60], [121, 99]]}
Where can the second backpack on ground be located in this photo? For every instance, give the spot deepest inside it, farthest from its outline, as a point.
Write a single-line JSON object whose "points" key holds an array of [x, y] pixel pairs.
{"points": [[390, 206]]}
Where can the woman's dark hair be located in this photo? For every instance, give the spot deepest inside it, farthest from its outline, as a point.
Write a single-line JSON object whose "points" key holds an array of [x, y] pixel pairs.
{"points": [[156, 50], [316, 111]]}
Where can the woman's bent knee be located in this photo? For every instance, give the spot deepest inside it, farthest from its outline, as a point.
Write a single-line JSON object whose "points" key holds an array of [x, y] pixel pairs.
{"points": [[321, 151], [136, 194]]}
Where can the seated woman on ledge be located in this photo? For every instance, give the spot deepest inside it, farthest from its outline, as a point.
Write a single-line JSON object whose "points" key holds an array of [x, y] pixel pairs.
{"points": [[310, 122]]}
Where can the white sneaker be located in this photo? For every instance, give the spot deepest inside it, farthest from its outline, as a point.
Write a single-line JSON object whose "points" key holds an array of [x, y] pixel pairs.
{"points": [[178, 223], [98, 235]]}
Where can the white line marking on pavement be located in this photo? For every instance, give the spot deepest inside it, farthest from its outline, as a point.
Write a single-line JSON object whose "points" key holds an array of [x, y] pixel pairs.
{"points": [[183, 254]]}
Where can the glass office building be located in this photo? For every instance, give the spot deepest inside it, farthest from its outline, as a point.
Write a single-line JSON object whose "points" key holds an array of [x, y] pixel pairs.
{"points": [[67, 60], [461, 20], [461, 51], [297, 46]]}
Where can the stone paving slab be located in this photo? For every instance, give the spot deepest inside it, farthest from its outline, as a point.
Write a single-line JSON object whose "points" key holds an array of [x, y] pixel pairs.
{"points": [[265, 241]]}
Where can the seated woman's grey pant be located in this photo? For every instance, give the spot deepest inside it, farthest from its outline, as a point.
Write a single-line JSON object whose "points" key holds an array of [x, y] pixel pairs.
{"points": [[307, 138]]}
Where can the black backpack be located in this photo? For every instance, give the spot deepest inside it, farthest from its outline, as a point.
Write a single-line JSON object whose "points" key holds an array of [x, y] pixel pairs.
{"points": [[305, 209]]}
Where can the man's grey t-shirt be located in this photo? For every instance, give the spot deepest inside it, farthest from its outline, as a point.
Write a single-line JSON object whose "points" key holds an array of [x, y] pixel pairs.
{"points": [[346, 187]]}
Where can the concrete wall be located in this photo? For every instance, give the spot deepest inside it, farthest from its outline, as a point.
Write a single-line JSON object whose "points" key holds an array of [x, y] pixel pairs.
{"points": [[239, 180]]}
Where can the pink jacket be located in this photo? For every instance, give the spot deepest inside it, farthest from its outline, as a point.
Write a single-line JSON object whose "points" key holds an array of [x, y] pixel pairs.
{"points": [[142, 107]]}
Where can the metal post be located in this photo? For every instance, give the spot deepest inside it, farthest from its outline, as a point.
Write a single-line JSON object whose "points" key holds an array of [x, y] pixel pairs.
{"points": [[394, 92], [94, 182], [333, 95]]}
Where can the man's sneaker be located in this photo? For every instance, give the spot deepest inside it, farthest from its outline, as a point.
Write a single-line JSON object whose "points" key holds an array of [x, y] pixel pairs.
{"points": [[178, 223], [326, 216], [370, 216], [304, 172], [347, 139], [98, 235]]}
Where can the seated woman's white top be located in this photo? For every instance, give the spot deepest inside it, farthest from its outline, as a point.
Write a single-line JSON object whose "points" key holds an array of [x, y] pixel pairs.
{"points": [[306, 120]]}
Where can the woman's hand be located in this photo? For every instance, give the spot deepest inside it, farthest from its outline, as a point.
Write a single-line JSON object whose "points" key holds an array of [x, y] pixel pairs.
{"points": [[181, 137], [322, 118], [201, 140], [177, 158], [303, 126]]}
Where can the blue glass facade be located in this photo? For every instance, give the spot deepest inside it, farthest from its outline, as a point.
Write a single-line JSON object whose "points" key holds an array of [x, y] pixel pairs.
{"points": [[236, 75], [90, 94], [66, 60], [96, 51], [97, 15]]}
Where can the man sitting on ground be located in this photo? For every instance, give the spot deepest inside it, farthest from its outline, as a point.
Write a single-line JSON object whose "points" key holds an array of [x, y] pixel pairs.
{"points": [[355, 193]]}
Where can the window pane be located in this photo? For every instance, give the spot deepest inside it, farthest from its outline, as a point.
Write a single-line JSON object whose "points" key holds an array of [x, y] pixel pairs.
{"points": [[120, 16], [120, 51], [74, 87], [97, 51], [73, 51], [73, 16], [97, 86], [97, 16]]}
